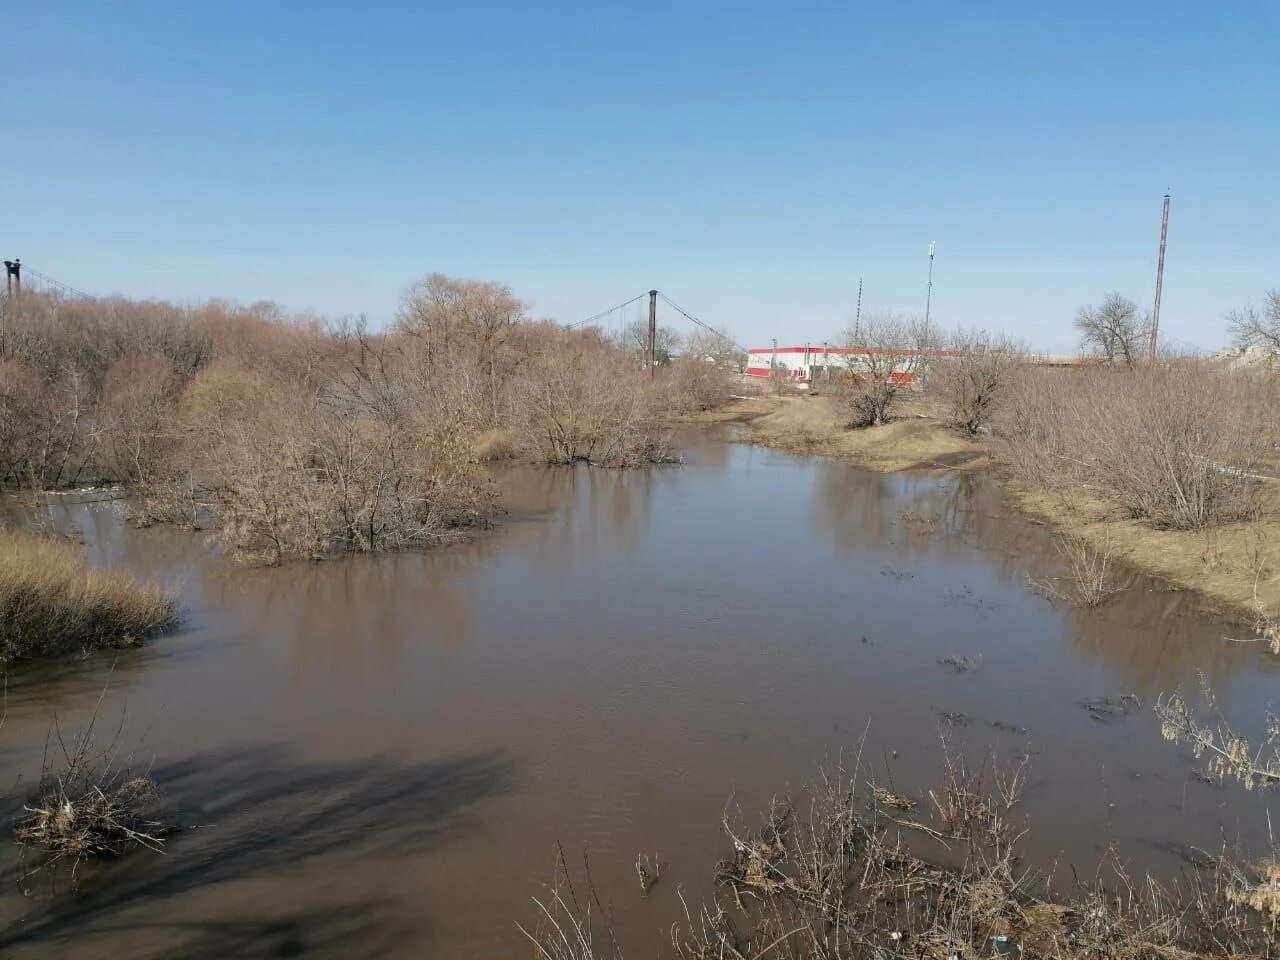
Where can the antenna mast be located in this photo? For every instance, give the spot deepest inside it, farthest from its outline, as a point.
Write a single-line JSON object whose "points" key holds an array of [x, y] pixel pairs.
{"points": [[928, 300]]}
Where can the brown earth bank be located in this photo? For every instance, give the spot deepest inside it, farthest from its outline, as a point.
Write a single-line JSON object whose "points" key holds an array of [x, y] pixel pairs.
{"points": [[1231, 565]]}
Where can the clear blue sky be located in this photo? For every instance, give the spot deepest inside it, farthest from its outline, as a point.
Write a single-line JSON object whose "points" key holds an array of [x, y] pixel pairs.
{"points": [[750, 159]]}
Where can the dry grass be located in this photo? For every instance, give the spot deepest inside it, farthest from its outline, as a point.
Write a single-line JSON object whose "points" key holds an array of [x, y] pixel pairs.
{"points": [[88, 804], [52, 604], [831, 874], [817, 425]]}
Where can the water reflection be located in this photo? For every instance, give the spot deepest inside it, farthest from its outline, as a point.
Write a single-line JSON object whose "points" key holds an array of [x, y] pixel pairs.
{"points": [[1154, 637], [636, 645]]}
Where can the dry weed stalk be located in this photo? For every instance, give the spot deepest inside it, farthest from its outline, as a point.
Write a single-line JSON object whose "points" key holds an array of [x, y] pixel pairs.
{"points": [[1228, 753], [649, 871], [1090, 568], [830, 876], [569, 927]]}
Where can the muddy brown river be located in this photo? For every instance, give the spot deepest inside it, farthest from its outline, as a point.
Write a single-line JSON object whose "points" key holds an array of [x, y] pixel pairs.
{"points": [[378, 757]]}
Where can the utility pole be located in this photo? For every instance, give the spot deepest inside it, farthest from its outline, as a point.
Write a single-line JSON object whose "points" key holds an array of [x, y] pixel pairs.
{"points": [[651, 352], [1155, 309], [857, 317], [928, 298], [13, 278]]}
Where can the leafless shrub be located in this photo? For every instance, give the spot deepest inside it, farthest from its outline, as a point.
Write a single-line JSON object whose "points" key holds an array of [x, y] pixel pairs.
{"points": [[366, 463], [832, 882], [138, 418], [1090, 567], [584, 402], [1251, 327], [295, 437], [1183, 455], [704, 374], [891, 352], [1113, 329], [975, 375]]}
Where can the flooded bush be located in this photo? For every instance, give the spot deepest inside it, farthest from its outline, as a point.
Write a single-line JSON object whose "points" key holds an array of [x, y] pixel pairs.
{"points": [[295, 437], [364, 463], [1176, 443], [585, 402], [52, 604]]}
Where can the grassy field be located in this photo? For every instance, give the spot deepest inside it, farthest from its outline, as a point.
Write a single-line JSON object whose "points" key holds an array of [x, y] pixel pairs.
{"points": [[52, 603]]}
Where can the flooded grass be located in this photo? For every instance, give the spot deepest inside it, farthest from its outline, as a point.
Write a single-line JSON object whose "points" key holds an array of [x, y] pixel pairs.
{"points": [[53, 604]]}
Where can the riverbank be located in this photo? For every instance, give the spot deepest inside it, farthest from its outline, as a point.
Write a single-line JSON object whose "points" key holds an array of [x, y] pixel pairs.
{"points": [[916, 440], [1236, 567]]}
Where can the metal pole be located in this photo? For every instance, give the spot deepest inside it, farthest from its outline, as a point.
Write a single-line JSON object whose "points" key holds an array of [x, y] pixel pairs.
{"points": [[857, 317], [928, 299], [651, 353], [1155, 309]]}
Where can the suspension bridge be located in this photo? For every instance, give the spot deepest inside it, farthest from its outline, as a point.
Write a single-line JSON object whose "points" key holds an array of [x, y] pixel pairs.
{"points": [[635, 323]]}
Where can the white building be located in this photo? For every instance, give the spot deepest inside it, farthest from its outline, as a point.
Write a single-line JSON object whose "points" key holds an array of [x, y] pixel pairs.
{"points": [[806, 365]]}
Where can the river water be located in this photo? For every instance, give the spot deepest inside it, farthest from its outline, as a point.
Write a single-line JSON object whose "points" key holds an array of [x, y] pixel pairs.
{"points": [[378, 757]]}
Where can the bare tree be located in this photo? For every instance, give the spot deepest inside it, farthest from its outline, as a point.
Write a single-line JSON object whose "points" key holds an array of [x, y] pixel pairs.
{"points": [[1114, 329], [665, 341], [1252, 327], [890, 352], [976, 374], [464, 323]]}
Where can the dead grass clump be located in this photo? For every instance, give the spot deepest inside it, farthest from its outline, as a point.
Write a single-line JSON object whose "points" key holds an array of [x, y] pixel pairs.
{"points": [[77, 820], [91, 807], [52, 603]]}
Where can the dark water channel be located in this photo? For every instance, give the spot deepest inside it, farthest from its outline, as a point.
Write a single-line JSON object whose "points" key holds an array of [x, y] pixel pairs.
{"points": [[377, 757]]}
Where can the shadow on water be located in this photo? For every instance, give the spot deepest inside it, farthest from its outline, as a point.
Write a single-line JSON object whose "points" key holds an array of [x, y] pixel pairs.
{"points": [[245, 815], [640, 645]]}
